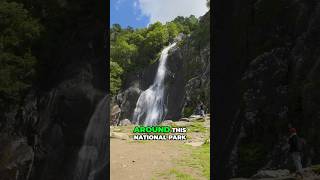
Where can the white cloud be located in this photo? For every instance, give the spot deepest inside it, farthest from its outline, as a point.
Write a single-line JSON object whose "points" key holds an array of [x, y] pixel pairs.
{"points": [[167, 10]]}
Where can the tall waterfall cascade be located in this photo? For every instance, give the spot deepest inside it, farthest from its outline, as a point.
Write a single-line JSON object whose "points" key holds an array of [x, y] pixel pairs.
{"points": [[92, 157], [151, 108]]}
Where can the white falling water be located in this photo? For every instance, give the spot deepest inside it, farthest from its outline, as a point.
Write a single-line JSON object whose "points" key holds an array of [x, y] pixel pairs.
{"points": [[92, 157], [150, 108]]}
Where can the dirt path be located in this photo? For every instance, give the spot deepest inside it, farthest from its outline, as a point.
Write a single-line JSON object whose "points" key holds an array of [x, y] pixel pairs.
{"points": [[136, 160], [158, 160]]}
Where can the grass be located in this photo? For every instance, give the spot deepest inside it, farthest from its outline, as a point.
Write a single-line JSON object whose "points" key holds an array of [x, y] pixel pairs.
{"points": [[177, 174], [199, 159], [197, 127], [316, 168], [202, 157], [138, 141]]}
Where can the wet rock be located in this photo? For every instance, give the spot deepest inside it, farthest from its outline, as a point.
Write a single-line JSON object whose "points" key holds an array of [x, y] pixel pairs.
{"points": [[127, 101], [180, 37]]}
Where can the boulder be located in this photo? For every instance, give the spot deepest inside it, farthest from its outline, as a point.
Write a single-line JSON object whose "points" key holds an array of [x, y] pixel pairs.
{"points": [[184, 119], [195, 116], [125, 122], [115, 130], [118, 135], [207, 124], [15, 154], [199, 119], [167, 123], [182, 124], [127, 100], [115, 114], [179, 37]]}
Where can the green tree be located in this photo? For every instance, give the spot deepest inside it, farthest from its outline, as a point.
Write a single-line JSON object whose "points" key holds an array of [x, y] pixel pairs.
{"points": [[156, 38], [115, 77], [115, 31], [173, 30], [123, 52], [18, 31], [201, 35], [130, 29], [192, 22], [186, 24], [136, 39]]}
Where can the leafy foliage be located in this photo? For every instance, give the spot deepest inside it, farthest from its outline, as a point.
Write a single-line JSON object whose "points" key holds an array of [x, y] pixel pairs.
{"points": [[115, 80], [173, 30], [187, 111], [18, 31], [251, 156], [201, 34], [133, 49]]}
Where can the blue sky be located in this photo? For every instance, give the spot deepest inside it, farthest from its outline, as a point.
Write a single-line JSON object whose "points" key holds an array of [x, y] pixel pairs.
{"points": [[140, 13], [124, 12]]}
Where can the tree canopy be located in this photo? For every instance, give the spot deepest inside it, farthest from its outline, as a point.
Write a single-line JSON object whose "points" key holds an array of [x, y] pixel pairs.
{"points": [[115, 80], [18, 31]]}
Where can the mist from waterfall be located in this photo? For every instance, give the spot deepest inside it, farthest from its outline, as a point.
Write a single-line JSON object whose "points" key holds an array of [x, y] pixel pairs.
{"points": [[92, 157], [150, 108]]}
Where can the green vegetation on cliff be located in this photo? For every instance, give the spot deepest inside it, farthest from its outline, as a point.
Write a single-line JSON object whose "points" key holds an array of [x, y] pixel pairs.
{"points": [[18, 32], [134, 49], [35, 42]]}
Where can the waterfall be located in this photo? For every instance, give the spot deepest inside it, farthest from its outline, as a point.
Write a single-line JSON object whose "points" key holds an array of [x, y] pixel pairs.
{"points": [[92, 157], [150, 108]]}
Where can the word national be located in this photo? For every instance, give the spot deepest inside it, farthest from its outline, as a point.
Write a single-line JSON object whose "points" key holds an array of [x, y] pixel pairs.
{"points": [[159, 137]]}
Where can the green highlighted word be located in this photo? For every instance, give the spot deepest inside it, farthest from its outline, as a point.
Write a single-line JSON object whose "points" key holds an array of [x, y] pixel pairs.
{"points": [[152, 129]]}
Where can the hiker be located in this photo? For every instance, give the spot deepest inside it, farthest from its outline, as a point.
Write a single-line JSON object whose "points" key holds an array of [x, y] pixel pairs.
{"points": [[295, 150], [200, 109]]}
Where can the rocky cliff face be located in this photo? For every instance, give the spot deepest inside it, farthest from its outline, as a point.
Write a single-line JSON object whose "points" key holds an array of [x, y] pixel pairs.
{"points": [[190, 79], [272, 70], [46, 132], [187, 80]]}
